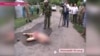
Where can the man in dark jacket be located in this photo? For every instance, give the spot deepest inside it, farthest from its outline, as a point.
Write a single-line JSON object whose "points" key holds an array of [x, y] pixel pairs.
{"points": [[65, 13]]}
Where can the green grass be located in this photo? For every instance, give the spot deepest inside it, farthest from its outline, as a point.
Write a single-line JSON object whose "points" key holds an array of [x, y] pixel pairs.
{"points": [[79, 28], [22, 21], [3, 21]]}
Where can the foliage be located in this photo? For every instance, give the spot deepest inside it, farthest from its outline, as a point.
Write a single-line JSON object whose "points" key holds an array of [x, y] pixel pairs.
{"points": [[57, 2], [79, 2], [75, 1], [35, 1]]}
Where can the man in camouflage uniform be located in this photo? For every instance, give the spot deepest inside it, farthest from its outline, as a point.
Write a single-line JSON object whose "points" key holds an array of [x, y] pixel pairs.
{"points": [[28, 12], [80, 14], [47, 12]]}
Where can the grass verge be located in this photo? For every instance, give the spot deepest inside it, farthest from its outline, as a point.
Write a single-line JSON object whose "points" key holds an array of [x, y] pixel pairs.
{"points": [[19, 22], [22, 21], [78, 27]]}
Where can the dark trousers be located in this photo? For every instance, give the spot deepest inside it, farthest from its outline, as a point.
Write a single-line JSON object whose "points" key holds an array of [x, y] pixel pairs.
{"points": [[47, 22], [32, 12], [38, 10], [65, 19], [75, 18]]}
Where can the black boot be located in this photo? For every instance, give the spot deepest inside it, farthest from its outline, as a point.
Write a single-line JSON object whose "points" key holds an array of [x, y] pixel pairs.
{"points": [[30, 20]]}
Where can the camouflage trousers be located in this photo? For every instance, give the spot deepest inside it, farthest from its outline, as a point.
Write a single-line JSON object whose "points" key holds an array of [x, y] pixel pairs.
{"points": [[47, 22]]}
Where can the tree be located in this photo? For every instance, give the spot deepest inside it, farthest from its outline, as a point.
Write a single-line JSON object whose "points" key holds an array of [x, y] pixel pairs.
{"points": [[55, 1], [35, 1], [74, 1]]}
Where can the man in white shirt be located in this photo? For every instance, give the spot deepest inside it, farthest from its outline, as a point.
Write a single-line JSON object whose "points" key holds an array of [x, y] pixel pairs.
{"points": [[70, 12], [75, 12]]}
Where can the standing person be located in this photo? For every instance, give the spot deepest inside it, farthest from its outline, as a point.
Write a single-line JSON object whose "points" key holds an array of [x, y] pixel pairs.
{"points": [[47, 13], [24, 12], [32, 9], [80, 14], [65, 15], [70, 12], [38, 9], [75, 13], [28, 13], [84, 21]]}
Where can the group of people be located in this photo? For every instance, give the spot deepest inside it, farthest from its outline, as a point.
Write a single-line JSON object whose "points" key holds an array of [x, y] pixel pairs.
{"points": [[77, 15], [69, 12], [74, 13], [28, 11]]}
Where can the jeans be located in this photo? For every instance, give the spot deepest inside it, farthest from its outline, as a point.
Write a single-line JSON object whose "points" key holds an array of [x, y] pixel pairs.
{"points": [[66, 19]]}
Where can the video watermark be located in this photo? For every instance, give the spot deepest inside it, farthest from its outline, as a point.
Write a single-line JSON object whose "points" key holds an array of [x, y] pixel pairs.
{"points": [[71, 50]]}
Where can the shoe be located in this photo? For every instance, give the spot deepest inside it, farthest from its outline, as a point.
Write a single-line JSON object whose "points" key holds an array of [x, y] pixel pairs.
{"points": [[30, 20], [44, 28], [67, 26], [49, 28], [63, 25]]}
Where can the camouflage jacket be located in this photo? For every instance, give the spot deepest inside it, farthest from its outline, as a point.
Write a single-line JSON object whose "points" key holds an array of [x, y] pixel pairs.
{"points": [[47, 10]]}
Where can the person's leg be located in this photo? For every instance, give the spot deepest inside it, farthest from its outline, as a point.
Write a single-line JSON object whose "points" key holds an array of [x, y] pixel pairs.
{"points": [[79, 19], [70, 17], [30, 17], [38, 10], [67, 20], [64, 19], [49, 22], [24, 13], [73, 18], [32, 12], [45, 22], [76, 18]]}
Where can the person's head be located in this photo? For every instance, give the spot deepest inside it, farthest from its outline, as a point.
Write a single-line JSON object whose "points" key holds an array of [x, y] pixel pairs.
{"points": [[46, 3], [64, 3], [75, 4], [71, 4]]}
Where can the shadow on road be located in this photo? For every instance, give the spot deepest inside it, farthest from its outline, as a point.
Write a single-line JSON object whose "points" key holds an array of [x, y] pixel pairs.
{"points": [[38, 27]]}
